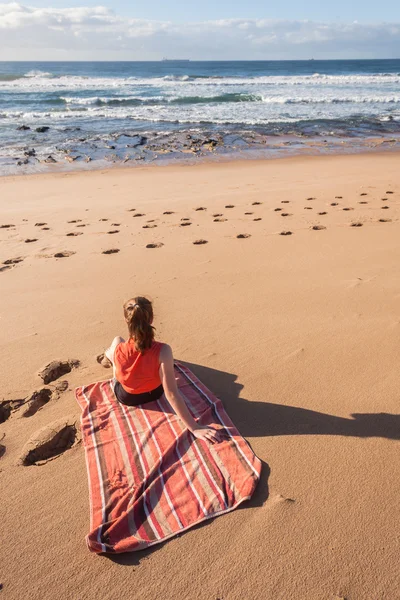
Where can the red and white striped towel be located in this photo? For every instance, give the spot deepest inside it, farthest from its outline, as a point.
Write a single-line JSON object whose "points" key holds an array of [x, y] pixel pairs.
{"points": [[149, 477]]}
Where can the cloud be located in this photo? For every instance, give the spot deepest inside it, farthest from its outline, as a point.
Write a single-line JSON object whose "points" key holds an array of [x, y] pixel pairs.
{"points": [[90, 33]]}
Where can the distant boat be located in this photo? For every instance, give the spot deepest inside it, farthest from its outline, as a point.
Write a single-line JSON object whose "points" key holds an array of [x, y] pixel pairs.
{"points": [[176, 60]]}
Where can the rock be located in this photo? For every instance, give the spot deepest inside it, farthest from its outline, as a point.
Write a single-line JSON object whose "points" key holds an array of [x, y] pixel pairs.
{"points": [[23, 128], [23, 162], [56, 369], [50, 159], [42, 129], [30, 152], [51, 441]]}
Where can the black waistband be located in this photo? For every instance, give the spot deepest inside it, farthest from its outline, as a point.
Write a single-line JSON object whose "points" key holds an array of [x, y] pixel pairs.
{"points": [[134, 399]]}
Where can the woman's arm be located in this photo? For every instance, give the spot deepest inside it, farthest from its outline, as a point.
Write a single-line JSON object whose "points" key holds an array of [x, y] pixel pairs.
{"points": [[177, 402]]}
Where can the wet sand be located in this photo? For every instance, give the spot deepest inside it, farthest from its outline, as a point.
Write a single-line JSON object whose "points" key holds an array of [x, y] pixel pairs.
{"points": [[277, 283]]}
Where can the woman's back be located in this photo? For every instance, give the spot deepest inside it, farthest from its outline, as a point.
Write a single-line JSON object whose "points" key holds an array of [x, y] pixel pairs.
{"points": [[137, 372]]}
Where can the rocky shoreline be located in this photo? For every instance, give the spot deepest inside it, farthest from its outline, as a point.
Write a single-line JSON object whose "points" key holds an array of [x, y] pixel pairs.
{"points": [[41, 150]]}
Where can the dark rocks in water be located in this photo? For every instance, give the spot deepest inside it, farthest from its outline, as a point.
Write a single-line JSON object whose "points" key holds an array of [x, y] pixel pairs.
{"points": [[111, 147], [23, 128], [42, 129], [140, 141], [56, 369], [30, 152], [25, 161], [50, 159]]}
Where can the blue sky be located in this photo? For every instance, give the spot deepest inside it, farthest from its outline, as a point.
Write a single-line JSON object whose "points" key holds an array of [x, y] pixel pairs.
{"points": [[200, 30], [198, 10]]}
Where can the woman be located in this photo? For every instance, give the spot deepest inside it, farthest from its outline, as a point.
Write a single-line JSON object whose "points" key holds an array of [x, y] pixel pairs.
{"points": [[144, 368]]}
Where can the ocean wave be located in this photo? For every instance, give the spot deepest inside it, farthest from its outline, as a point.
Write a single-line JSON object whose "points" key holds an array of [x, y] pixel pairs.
{"points": [[222, 98], [38, 74], [43, 82]]}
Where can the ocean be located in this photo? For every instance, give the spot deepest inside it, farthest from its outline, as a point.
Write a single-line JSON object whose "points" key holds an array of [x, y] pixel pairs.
{"points": [[103, 113]]}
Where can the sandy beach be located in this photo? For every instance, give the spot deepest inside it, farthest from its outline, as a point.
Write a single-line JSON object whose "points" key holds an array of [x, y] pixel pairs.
{"points": [[287, 309]]}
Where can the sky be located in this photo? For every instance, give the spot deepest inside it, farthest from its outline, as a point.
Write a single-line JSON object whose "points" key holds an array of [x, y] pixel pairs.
{"points": [[199, 30]]}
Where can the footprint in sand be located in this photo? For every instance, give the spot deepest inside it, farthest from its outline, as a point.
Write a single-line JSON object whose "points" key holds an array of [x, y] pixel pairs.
{"points": [[36, 400], [323, 213], [339, 197], [257, 219], [156, 245], [149, 226], [40, 224], [51, 441], [356, 224], [230, 206], [30, 240], [385, 220], [200, 208], [74, 233], [285, 201], [334, 203], [249, 213], [168, 212], [277, 209], [362, 202], [308, 208], [285, 233], [184, 224], [217, 215], [103, 219], [286, 214], [139, 215], [131, 209], [384, 207], [364, 194], [389, 192], [82, 225], [311, 198], [183, 219], [199, 242], [6, 226], [111, 251], [47, 228], [256, 203], [57, 368], [13, 261], [64, 254], [115, 224], [242, 236], [318, 227], [75, 221], [113, 231], [9, 406], [348, 208], [219, 220]]}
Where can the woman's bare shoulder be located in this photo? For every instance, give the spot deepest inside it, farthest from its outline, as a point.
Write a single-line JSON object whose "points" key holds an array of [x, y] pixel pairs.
{"points": [[165, 352]]}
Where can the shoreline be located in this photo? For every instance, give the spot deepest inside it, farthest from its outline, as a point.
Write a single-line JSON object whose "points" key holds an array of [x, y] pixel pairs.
{"points": [[210, 160]]}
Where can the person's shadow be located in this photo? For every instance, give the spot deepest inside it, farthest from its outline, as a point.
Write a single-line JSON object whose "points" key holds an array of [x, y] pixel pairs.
{"points": [[261, 419]]}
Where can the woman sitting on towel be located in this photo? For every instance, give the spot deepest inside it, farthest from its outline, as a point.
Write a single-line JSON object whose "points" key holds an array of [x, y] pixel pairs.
{"points": [[144, 369]]}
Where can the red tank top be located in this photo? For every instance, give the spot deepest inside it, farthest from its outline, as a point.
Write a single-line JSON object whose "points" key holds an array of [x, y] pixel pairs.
{"points": [[136, 372]]}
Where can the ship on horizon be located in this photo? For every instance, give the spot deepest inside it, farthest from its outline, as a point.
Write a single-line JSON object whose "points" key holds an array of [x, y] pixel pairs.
{"points": [[176, 60]]}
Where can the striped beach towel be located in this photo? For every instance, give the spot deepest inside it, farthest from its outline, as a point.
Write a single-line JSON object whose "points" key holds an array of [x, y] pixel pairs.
{"points": [[149, 477]]}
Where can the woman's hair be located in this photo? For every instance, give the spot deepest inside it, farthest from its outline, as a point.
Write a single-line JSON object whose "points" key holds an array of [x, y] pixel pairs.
{"points": [[139, 315]]}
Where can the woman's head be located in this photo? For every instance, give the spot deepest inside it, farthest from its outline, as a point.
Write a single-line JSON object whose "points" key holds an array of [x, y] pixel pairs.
{"points": [[138, 313]]}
